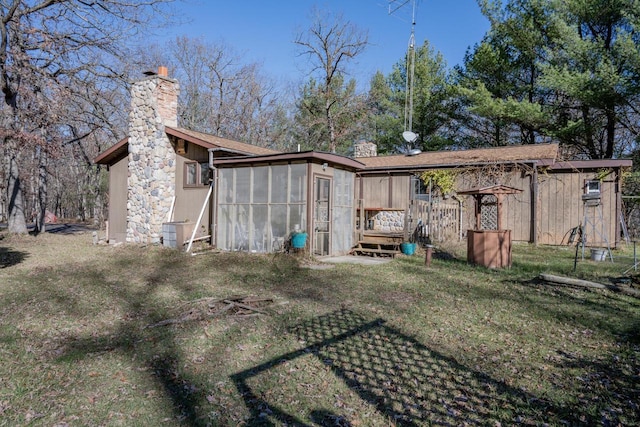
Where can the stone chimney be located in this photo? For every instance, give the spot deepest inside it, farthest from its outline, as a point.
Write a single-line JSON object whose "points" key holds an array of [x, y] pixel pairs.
{"points": [[365, 149], [152, 159]]}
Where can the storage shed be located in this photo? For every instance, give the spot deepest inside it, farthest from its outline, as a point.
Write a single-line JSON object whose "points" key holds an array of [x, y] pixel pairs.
{"points": [[545, 212]]}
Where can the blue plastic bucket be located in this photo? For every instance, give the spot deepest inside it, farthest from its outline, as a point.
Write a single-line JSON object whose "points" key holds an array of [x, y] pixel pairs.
{"points": [[408, 248], [298, 240]]}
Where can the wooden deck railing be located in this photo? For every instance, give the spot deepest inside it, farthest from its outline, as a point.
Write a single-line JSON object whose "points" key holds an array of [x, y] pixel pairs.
{"points": [[433, 221], [424, 222]]}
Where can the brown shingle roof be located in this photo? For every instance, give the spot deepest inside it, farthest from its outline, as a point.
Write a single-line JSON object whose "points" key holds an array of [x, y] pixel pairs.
{"points": [[307, 156], [212, 141], [119, 150], [514, 153]]}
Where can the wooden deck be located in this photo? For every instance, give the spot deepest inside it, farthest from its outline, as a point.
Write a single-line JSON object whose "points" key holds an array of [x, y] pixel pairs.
{"points": [[378, 244]]}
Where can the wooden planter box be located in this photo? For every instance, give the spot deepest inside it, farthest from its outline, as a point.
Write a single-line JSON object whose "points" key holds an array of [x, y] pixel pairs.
{"points": [[490, 248]]}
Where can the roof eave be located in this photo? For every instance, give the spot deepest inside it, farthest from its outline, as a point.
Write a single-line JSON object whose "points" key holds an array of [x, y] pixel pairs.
{"points": [[108, 156], [317, 156], [591, 164], [419, 167], [198, 141]]}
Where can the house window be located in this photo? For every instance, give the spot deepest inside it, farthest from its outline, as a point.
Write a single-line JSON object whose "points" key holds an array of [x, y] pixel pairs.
{"points": [[196, 174], [419, 190], [204, 173], [592, 187]]}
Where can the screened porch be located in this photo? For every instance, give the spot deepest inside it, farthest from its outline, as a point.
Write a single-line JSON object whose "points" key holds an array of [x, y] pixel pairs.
{"points": [[261, 201]]}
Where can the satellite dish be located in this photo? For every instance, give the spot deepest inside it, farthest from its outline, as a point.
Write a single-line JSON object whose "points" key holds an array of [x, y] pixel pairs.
{"points": [[414, 151], [409, 136]]}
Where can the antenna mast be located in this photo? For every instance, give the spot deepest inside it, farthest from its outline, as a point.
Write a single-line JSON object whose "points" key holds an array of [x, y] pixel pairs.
{"points": [[395, 5]]}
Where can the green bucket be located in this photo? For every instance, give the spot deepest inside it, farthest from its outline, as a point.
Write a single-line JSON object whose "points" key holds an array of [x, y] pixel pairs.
{"points": [[408, 248]]}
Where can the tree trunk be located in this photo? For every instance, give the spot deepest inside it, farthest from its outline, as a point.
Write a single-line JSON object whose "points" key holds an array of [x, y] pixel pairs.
{"points": [[97, 210], [588, 134], [611, 132], [331, 127], [98, 205], [41, 202], [16, 216], [84, 211]]}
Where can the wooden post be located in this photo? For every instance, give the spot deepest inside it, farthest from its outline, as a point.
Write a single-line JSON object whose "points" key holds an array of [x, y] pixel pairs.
{"points": [[430, 213], [361, 219], [406, 225], [478, 208], [499, 198], [428, 252]]}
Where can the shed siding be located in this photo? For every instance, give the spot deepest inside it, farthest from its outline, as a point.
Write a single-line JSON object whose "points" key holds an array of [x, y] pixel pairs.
{"points": [[559, 210], [559, 206], [189, 200], [400, 191], [118, 173], [375, 191], [562, 208], [516, 208], [384, 191]]}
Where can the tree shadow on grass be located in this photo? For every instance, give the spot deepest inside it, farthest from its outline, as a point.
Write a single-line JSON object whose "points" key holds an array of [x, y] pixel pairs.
{"points": [[594, 309], [609, 383], [9, 258], [69, 228], [407, 382], [404, 380], [184, 391], [155, 348]]}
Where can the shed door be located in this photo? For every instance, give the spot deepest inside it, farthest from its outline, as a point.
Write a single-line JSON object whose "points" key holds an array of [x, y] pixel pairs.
{"points": [[322, 222]]}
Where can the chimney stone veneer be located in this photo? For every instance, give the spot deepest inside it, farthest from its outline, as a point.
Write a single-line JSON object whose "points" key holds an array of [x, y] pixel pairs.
{"points": [[152, 159], [365, 149]]}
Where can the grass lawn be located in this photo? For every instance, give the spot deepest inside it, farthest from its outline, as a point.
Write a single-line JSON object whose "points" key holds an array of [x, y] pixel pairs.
{"points": [[354, 345]]}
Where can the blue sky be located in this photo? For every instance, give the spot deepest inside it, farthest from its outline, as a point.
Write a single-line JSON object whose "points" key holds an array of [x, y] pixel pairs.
{"points": [[263, 31]]}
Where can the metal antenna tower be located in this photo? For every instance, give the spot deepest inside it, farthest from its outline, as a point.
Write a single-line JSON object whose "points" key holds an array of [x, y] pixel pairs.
{"points": [[394, 6]]}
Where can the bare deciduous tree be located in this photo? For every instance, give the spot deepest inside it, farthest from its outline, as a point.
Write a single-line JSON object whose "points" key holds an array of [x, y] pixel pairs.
{"points": [[48, 48], [329, 44], [220, 93]]}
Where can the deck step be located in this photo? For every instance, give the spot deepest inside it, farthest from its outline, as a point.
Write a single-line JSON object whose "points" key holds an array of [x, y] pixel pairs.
{"points": [[365, 247], [382, 240], [376, 251]]}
